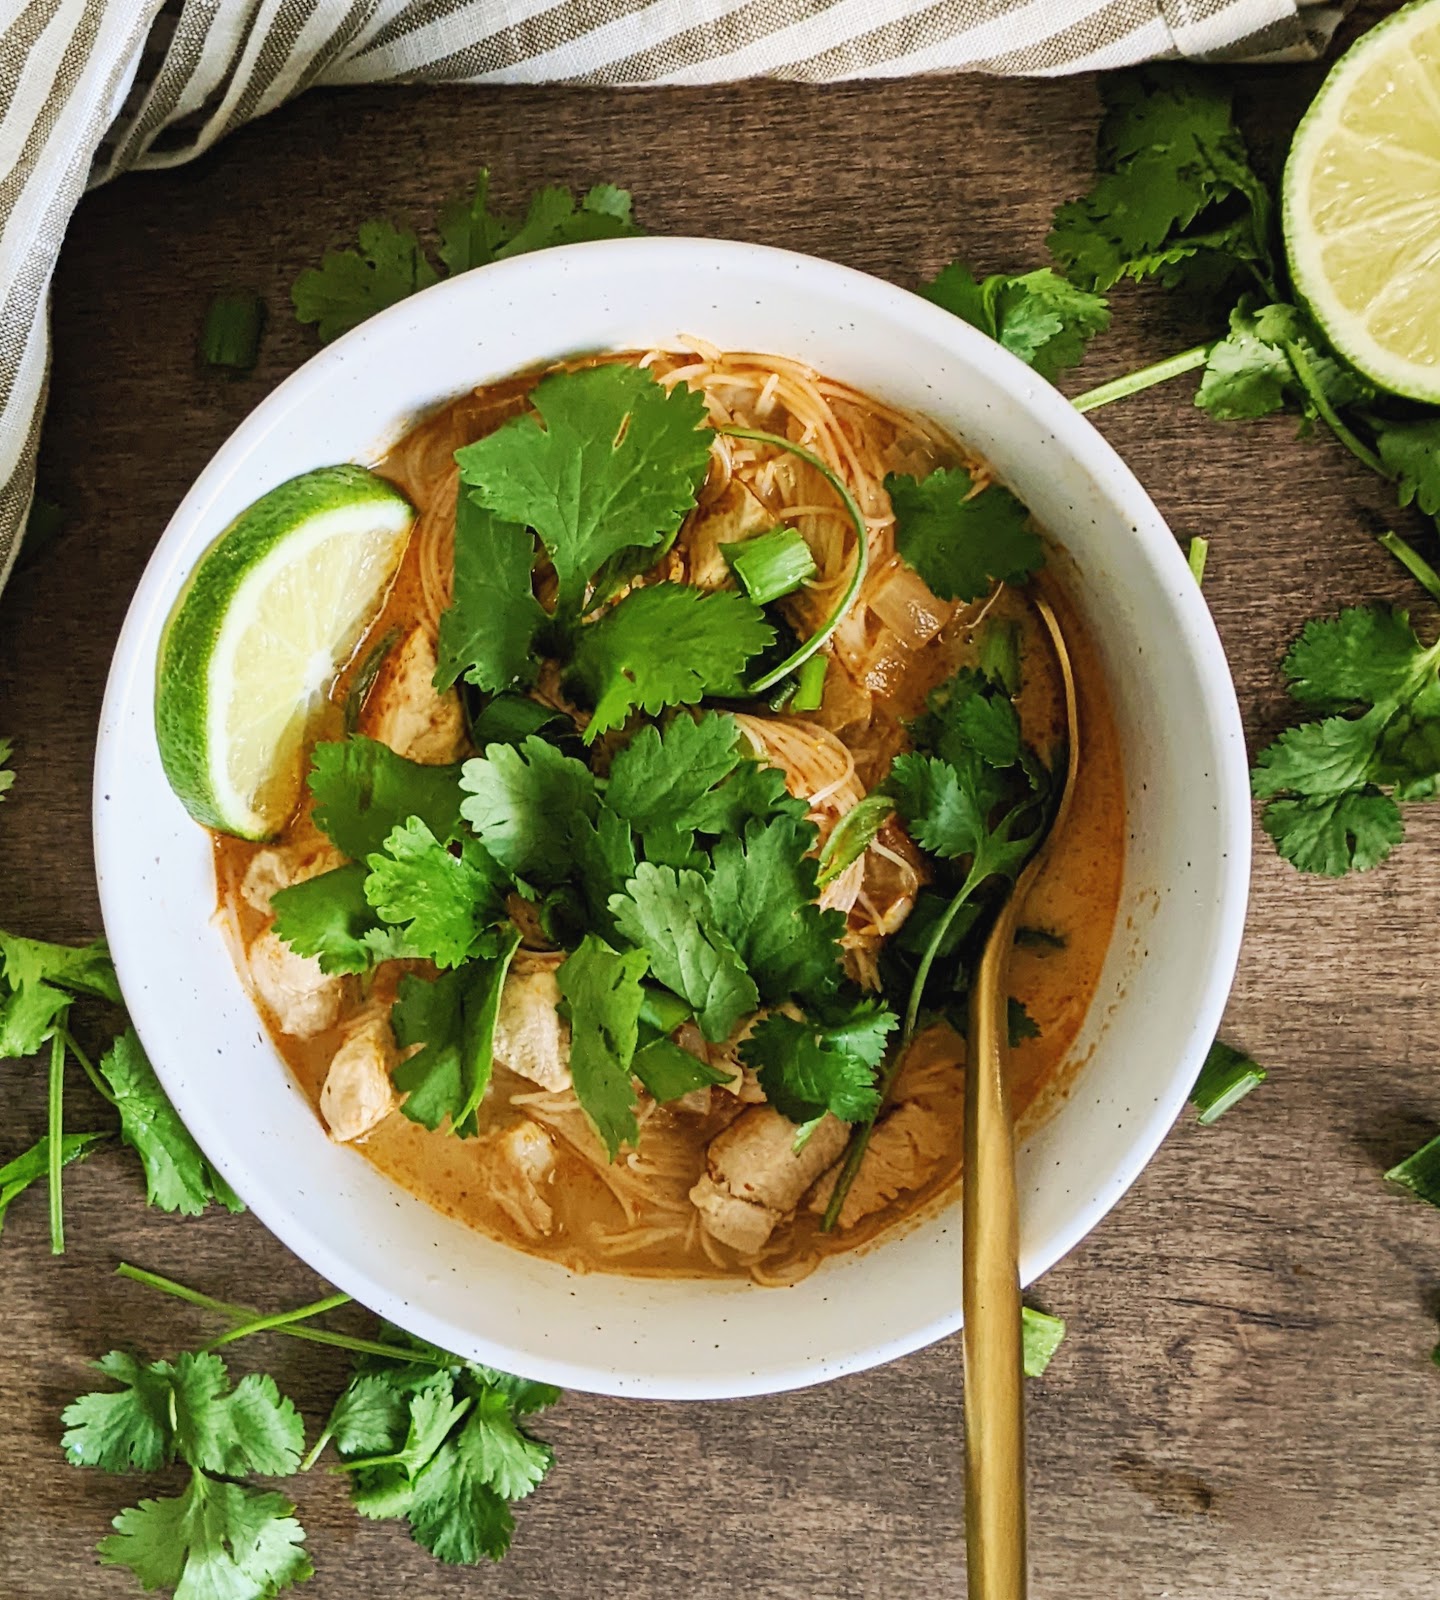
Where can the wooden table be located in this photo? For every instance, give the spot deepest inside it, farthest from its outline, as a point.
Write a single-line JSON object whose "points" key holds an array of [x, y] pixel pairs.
{"points": [[1245, 1405]]}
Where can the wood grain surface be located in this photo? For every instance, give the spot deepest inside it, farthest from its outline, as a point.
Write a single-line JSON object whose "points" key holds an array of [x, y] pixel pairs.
{"points": [[1245, 1405]]}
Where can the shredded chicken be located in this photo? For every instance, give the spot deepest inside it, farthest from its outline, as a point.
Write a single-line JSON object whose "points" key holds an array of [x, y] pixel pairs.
{"points": [[531, 1038], [404, 710], [358, 1094], [755, 1176], [519, 1161], [303, 1000], [732, 517], [904, 1153]]}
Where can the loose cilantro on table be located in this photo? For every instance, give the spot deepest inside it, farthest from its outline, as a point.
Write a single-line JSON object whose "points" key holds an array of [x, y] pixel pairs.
{"points": [[7, 775], [1039, 316], [391, 263]]}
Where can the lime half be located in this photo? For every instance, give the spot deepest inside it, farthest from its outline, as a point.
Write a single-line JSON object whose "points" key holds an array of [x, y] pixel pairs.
{"points": [[275, 608], [1362, 204]]}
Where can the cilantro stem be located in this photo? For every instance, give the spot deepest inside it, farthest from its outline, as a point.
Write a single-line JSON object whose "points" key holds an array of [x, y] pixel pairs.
{"points": [[55, 1147], [88, 1067], [1144, 377], [249, 1314], [1413, 562], [860, 1140], [799, 657], [277, 1320], [1305, 373]]}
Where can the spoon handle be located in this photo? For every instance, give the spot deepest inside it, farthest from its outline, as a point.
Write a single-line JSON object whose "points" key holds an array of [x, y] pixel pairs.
{"points": [[994, 1378]]}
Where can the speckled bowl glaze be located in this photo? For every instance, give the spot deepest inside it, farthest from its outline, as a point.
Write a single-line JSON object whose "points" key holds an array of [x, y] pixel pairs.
{"points": [[1177, 936]]}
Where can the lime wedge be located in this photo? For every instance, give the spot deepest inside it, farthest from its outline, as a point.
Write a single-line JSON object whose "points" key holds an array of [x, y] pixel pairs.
{"points": [[1362, 204], [276, 606]]}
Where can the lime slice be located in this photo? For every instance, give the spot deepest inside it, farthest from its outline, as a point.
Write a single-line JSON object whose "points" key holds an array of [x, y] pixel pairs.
{"points": [[275, 608], [1362, 204]]}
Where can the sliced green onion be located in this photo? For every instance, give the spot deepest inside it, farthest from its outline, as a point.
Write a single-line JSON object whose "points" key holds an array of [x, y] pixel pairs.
{"points": [[862, 554], [662, 1010], [1227, 1077], [1040, 1336], [811, 688], [1000, 654], [668, 1071], [1199, 549], [850, 837], [231, 334], [771, 565], [1420, 1173]]}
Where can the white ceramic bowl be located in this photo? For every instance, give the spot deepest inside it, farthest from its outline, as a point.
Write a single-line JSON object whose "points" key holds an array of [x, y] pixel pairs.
{"points": [[1186, 872]]}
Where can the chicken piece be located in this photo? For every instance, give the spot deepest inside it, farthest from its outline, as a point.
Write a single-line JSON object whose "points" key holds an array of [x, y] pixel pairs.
{"points": [[303, 1000], [358, 1094], [843, 702], [404, 710], [905, 1152], [519, 1161], [755, 1177], [734, 516], [531, 1038], [279, 867]]}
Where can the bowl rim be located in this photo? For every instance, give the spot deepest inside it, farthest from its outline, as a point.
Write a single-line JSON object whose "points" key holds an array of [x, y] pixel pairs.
{"points": [[1048, 411]]}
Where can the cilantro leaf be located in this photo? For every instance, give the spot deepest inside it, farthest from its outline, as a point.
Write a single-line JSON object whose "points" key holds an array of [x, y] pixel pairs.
{"points": [[17, 1175], [177, 1175], [122, 1429], [659, 780], [487, 633], [1364, 655], [453, 1018], [471, 235], [960, 541], [947, 809], [1020, 1025], [763, 891], [1176, 197], [363, 791], [329, 917], [217, 1541], [36, 982], [1257, 367], [607, 461], [969, 715], [667, 645], [1410, 451], [449, 902], [521, 801], [1335, 834], [351, 285], [602, 989], [669, 915], [370, 1415], [807, 1068], [1320, 758], [7, 775], [1039, 316], [668, 1071], [604, 854]]}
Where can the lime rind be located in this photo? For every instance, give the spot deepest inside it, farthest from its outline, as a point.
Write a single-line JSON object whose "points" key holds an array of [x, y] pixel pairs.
{"points": [[271, 612], [1361, 204]]}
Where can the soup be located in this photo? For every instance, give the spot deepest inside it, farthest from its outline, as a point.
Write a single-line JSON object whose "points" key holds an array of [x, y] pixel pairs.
{"points": [[691, 1138]]}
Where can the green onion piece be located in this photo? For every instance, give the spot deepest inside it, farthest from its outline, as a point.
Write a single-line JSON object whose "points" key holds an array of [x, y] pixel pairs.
{"points": [[1040, 1336], [668, 1071], [850, 837], [1199, 549], [1227, 1076], [231, 335], [771, 565], [663, 1011], [857, 572], [811, 689], [1000, 654], [1420, 1173]]}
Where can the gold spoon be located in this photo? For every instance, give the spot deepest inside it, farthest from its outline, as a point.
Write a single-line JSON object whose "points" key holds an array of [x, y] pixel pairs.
{"points": [[994, 1399]]}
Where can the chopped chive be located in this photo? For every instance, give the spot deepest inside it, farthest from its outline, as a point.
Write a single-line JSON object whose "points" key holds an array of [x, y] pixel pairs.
{"points": [[1000, 654], [1040, 1336], [1420, 1173], [230, 337], [1227, 1077], [1198, 551], [811, 688], [771, 565]]}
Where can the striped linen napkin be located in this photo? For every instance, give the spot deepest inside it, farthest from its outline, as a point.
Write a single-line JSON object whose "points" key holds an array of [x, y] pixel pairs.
{"points": [[92, 88]]}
